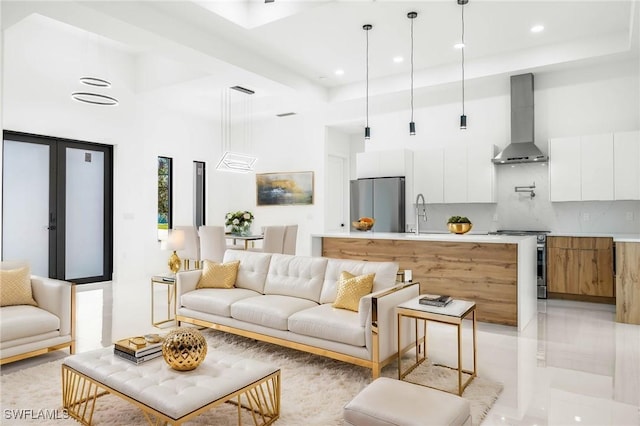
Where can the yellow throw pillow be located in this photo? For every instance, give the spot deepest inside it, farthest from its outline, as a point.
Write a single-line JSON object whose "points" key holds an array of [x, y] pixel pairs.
{"points": [[218, 275], [351, 289], [15, 287]]}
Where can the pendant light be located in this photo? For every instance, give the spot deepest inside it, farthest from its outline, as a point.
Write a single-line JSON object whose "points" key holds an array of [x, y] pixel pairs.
{"points": [[367, 130], [412, 125], [463, 117]]}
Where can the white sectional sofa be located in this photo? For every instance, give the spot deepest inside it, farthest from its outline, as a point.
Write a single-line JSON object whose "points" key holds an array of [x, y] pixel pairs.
{"points": [[287, 300]]}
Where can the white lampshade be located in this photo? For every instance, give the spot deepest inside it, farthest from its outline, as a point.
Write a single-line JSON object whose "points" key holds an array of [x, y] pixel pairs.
{"points": [[176, 240]]}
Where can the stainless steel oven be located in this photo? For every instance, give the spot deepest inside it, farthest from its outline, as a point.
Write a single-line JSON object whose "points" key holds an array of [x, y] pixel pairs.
{"points": [[541, 253]]}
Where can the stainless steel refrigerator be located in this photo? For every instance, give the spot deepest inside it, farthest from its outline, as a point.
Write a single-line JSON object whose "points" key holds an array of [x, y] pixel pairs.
{"points": [[381, 199]]}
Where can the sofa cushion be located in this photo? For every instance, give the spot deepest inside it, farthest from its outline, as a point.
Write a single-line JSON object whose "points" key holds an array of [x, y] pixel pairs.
{"points": [[218, 275], [15, 287], [385, 275], [351, 289], [328, 323], [22, 321], [216, 301], [253, 268], [297, 276], [271, 311]]}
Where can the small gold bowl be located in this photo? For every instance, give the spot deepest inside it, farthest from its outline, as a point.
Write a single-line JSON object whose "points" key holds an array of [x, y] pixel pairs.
{"points": [[459, 228], [363, 225]]}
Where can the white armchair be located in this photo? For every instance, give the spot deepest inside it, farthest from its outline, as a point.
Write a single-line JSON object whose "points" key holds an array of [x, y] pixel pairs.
{"points": [[27, 331]]}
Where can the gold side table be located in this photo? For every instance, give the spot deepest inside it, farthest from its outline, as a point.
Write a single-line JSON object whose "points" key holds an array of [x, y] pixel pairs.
{"points": [[168, 280], [454, 313]]}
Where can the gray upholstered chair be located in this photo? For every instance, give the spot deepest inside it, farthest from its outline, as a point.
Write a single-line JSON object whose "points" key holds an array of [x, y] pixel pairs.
{"points": [[290, 239], [273, 241], [36, 319], [213, 243]]}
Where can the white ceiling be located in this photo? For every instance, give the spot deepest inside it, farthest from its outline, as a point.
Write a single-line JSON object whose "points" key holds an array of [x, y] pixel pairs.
{"points": [[290, 49]]}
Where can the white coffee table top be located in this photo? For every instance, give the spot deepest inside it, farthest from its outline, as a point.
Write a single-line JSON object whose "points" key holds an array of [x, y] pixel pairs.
{"points": [[174, 393], [454, 309]]}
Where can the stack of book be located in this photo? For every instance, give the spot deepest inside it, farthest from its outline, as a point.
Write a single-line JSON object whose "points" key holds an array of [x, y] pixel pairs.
{"points": [[435, 300], [139, 349]]}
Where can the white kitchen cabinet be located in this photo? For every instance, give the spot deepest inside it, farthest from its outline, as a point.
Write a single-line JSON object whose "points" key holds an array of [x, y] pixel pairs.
{"points": [[581, 168], [564, 169], [596, 163], [383, 163], [428, 175], [455, 174], [626, 160], [481, 173]]}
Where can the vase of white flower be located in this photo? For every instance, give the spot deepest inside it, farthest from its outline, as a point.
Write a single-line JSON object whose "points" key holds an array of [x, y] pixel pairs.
{"points": [[240, 222]]}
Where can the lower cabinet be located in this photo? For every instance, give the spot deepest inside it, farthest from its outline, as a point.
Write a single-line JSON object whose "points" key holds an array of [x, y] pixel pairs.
{"points": [[581, 266]]}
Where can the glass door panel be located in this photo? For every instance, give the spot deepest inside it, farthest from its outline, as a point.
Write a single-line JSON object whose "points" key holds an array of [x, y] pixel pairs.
{"points": [[84, 222], [26, 205]]}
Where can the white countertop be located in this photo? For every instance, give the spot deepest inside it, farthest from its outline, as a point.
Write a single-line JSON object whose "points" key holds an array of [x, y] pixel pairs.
{"points": [[464, 238], [618, 238]]}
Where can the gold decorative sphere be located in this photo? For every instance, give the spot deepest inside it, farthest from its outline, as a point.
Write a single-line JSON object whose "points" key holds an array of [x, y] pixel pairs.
{"points": [[184, 349]]}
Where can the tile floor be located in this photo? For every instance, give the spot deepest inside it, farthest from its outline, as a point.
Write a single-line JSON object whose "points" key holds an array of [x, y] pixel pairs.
{"points": [[574, 365]]}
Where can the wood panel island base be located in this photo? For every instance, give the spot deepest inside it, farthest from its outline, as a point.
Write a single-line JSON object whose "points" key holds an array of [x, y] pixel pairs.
{"points": [[496, 272]]}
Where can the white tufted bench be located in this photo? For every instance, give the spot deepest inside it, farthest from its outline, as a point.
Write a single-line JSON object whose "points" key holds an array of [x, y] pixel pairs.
{"points": [[168, 395], [387, 402]]}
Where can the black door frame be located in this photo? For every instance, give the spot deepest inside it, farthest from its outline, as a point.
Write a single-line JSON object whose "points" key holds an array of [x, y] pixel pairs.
{"points": [[57, 201]]}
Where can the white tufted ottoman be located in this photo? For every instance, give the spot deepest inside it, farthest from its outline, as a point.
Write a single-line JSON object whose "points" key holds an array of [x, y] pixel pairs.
{"points": [[393, 402], [167, 395]]}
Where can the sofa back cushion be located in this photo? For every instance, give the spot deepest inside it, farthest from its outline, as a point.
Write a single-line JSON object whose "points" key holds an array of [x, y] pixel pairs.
{"points": [[253, 268], [385, 275], [297, 276]]}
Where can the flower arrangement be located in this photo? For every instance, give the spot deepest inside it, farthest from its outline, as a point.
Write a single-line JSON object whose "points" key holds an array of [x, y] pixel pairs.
{"points": [[239, 221]]}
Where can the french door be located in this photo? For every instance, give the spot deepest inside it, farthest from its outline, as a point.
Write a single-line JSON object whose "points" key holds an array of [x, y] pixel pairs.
{"points": [[57, 206]]}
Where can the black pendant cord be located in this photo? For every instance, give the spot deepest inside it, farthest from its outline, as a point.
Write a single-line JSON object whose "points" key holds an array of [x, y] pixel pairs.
{"points": [[367, 130], [367, 78], [412, 69], [463, 60]]}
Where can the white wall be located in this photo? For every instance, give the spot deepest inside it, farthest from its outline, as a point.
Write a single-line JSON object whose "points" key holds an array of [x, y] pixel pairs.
{"points": [[576, 101]]}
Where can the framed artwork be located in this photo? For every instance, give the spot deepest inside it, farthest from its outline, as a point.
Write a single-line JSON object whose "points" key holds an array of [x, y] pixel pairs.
{"points": [[284, 189]]}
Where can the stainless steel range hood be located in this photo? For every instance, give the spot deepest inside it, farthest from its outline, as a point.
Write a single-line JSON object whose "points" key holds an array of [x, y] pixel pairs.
{"points": [[522, 149]]}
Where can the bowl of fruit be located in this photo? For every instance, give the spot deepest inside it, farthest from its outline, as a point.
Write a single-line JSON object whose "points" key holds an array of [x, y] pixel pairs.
{"points": [[364, 223], [459, 225]]}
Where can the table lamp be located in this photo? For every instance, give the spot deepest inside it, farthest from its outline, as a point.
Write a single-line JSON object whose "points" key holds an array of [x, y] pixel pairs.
{"points": [[175, 242]]}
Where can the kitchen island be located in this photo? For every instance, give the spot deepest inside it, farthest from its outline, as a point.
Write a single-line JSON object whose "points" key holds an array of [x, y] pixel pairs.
{"points": [[498, 272]]}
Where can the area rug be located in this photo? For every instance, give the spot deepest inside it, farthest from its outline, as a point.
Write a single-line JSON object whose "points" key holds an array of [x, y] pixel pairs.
{"points": [[314, 389]]}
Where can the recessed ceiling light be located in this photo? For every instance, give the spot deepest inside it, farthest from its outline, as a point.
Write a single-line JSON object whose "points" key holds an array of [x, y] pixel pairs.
{"points": [[339, 72], [537, 28], [458, 45], [398, 59], [577, 418]]}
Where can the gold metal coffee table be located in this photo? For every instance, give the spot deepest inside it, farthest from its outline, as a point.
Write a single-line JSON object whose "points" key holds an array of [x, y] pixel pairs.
{"points": [[453, 314]]}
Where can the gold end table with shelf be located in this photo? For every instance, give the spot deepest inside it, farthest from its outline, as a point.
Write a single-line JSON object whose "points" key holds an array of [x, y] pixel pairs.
{"points": [[168, 280], [453, 314]]}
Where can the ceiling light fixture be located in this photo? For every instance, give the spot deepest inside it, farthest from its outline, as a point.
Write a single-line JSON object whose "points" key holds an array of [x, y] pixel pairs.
{"points": [[94, 81], [367, 129], [231, 160], [412, 125], [398, 59], [463, 117], [537, 28], [339, 72], [94, 98]]}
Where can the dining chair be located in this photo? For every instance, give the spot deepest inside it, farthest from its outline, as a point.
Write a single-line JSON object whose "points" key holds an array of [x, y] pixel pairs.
{"points": [[213, 243], [290, 239], [273, 241], [191, 251]]}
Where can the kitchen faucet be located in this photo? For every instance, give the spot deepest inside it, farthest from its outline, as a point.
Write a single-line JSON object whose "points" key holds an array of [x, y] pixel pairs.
{"points": [[418, 214]]}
